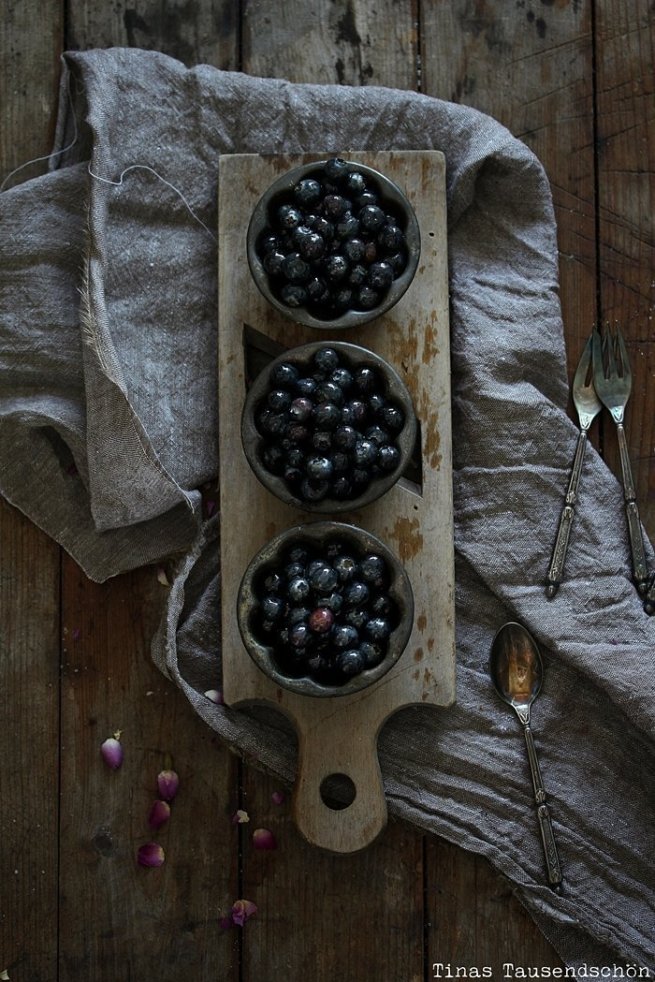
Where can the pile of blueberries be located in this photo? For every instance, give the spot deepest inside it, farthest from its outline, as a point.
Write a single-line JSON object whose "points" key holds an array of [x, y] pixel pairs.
{"points": [[332, 243], [325, 611], [328, 427]]}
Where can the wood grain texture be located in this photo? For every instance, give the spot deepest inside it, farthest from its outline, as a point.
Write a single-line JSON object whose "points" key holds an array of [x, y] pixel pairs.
{"points": [[626, 184], [416, 524], [29, 73], [530, 65], [349, 42], [29, 778], [193, 31], [321, 917], [118, 920], [474, 919]]}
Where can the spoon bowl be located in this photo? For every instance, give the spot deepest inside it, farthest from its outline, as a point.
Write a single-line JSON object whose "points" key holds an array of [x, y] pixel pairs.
{"points": [[517, 671]]}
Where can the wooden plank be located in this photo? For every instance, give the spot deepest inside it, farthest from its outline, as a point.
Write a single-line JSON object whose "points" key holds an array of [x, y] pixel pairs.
{"points": [[194, 33], [29, 780], [475, 920], [119, 920], [531, 67], [416, 525], [29, 76], [29, 577], [326, 917], [351, 42], [626, 182]]}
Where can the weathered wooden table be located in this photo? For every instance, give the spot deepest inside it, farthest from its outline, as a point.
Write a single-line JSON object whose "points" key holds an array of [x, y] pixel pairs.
{"points": [[575, 81]]}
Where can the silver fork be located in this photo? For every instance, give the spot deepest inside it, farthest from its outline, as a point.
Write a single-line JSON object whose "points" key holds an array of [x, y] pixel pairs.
{"points": [[587, 405], [613, 382]]}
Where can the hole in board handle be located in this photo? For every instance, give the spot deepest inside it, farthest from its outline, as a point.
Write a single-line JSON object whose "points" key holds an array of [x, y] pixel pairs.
{"points": [[337, 791]]}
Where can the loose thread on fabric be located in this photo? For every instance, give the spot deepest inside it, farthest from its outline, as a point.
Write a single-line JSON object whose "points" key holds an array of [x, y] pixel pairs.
{"points": [[151, 170], [47, 156]]}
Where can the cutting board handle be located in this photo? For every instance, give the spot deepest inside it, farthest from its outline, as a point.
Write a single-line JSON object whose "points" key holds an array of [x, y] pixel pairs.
{"points": [[350, 753]]}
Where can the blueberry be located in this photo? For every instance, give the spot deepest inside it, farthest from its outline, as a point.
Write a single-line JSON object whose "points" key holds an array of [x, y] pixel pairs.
{"points": [[353, 413], [326, 359], [329, 392], [335, 206], [273, 459], [298, 589], [268, 241], [334, 602], [295, 268], [324, 579], [355, 182], [324, 228], [317, 290], [336, 169], [342, 488], [347, 226], [293, 295], [357, 277], [370, 252], [321, 620], [322, 441], [376, 402], [306, 386], [319, 468], [313, 490], [343, 298], [382, 606], [343, 378], [284, 375], [293, 475], [378, 629], [300, 409], [298, 554], [365, 379], [356, 594], [357, 617], [365, 453], [336, 267], [372, 653], [351, 662], [345, 437], [354, 250], [340, 462], [388, 457], [293, 571], [326, 415], [373, 570], [278, 400], [307, 191], [272, 607], [296, 434], [299, 635], [390, 237], [345, 636], [273, 583], [392, 417], [273, 263], [367, 198], [360, 478], [288, 217], [346, 567], [312, 246], [397, 261], [380, 276], [377, 435], [372, 218], [367, 297]]}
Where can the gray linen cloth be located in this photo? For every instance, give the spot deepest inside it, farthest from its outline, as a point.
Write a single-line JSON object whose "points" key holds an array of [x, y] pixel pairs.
{"points": [[108, 429]]}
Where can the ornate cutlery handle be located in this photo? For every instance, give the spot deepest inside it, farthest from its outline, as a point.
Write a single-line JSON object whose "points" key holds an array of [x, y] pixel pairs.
{"points": [[543, 814], [649, 603], [639, 568], [556, 568]]}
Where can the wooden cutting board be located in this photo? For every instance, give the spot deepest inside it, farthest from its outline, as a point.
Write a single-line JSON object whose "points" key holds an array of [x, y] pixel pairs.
{"points": [[338, 735]]}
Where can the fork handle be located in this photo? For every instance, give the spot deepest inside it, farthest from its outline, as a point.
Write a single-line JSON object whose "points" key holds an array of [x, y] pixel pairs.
{"points": [[639, 567], [556, 568]]}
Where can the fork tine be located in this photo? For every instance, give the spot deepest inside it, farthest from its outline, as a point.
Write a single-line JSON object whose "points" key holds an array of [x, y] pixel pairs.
{"points": [[625, 361], [597, 355], [608, 345]]}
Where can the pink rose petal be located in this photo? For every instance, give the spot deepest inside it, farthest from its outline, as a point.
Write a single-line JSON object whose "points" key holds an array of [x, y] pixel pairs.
{"points": [[242, 911], [278, 797], [112, 752], [159, 814], [264, 839], [168, 783], [151, 855]]}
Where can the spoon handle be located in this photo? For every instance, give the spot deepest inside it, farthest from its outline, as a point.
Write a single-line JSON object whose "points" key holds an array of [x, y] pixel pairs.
{"points": [[543, 814]]}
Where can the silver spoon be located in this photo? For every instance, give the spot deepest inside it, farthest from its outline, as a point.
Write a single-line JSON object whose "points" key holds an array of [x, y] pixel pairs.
{"points": [[517, 671]]}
